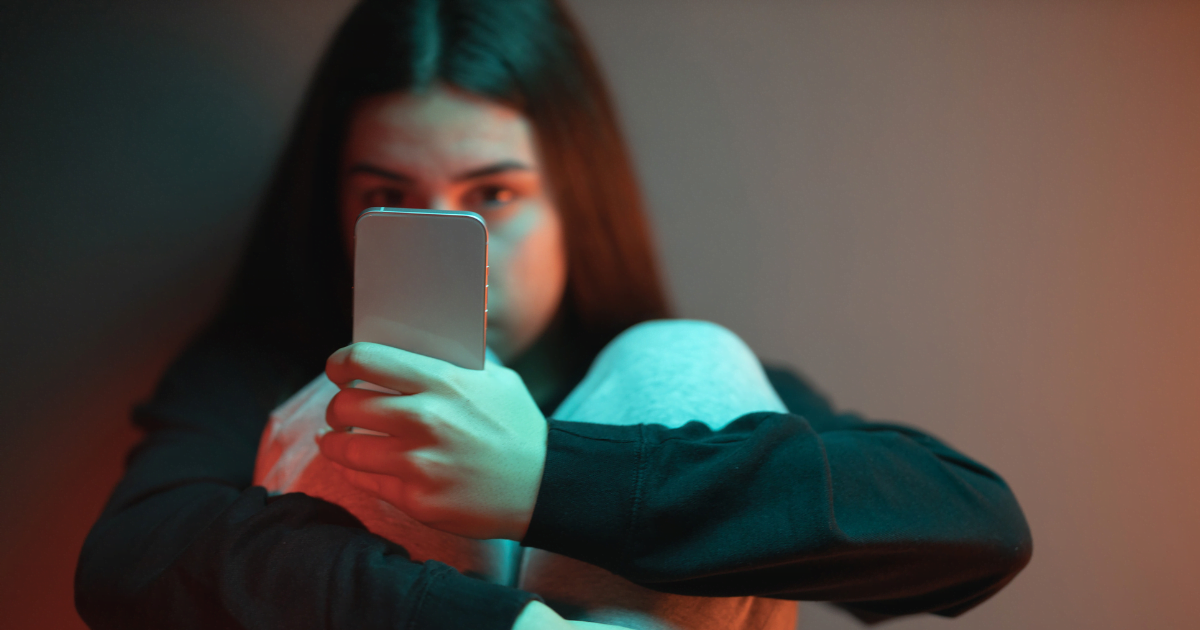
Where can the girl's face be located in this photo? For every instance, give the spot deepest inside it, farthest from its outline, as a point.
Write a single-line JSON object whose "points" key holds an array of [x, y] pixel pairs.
{"points": [[450, 150]]}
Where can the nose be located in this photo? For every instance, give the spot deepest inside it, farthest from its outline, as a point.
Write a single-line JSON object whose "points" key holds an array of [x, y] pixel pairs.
{"points": [[441, 201]]}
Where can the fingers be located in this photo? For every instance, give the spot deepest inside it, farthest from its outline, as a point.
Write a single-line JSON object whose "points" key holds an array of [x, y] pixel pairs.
{"points": [[396, 416], [386, 487], [403, 371], [368, 454]]}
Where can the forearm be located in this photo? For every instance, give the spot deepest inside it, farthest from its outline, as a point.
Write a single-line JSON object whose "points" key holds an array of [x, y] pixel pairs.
{"points": [[768, 507], [206, 556], [186, 543]]}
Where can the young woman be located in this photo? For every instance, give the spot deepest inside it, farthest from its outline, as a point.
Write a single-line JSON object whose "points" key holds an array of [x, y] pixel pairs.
{"points": [[498, 108]]}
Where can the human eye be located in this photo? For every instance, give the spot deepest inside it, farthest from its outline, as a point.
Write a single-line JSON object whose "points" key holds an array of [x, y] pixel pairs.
{"points": [[490, 197], [384, 197]]}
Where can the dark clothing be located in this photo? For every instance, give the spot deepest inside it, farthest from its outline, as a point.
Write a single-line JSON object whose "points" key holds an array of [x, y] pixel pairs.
{"points": [[807, 505]]}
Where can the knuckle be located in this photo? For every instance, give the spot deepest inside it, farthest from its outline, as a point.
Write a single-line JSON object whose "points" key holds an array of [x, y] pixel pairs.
{"points": [[338, 409], [422, 409], [434, 411], [332, 447], [425, 418], [358, 355]]}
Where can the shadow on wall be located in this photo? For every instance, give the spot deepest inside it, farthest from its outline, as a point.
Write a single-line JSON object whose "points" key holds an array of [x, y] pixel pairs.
{"points": [[136, 137]]}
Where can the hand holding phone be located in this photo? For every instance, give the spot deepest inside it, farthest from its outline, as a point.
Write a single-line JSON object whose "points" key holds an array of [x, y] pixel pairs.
{"points": [[468, 465], [463, 452]]}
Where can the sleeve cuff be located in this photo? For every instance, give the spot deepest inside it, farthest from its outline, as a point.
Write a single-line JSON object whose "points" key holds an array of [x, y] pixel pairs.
{"points": [[588, 498]]}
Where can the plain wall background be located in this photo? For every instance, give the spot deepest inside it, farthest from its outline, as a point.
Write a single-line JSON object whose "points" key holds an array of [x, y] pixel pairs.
{"points": [[982, 218]]}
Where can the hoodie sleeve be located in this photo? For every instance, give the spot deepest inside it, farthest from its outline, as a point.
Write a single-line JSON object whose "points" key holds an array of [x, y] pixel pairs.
{"points": [[809, 505], [186, 542]]}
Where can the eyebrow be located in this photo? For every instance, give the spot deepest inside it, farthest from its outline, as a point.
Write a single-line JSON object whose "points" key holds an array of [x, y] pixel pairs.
{"points": [[494, 169], [491, 169], [369, 169]]}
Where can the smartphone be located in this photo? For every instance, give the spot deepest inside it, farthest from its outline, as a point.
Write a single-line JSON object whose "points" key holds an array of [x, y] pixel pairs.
{"points": [[420, 282]]}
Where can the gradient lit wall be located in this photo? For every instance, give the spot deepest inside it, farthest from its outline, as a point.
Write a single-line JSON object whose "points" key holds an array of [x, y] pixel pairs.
{"points": [[982, 218]]}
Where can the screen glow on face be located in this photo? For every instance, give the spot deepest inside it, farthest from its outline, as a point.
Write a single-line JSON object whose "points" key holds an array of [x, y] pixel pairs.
{"points": [[445, 149]]}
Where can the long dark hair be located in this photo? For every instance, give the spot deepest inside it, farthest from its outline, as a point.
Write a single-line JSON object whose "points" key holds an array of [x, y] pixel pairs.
{"points": [[294, 284]]}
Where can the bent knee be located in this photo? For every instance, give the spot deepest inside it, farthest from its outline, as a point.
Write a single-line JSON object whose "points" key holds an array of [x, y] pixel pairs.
{"points": [[660, 331], [694, 338], [670, 372]]}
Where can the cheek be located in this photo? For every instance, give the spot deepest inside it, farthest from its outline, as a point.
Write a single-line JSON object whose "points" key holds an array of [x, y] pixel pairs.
{"points": [[537, 274]]}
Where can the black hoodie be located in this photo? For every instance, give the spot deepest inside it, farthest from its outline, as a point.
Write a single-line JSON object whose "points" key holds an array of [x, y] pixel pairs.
{"points": [[810, 505]]}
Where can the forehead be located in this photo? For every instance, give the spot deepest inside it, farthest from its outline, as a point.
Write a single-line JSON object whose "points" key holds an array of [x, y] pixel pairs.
{"points": [[436, 130]]}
